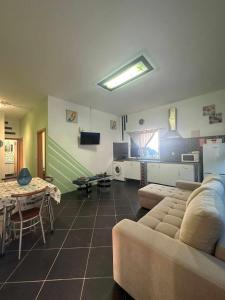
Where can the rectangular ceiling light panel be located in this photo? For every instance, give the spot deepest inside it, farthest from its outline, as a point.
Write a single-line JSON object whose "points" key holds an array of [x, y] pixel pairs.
{"points": [[129, 72]]}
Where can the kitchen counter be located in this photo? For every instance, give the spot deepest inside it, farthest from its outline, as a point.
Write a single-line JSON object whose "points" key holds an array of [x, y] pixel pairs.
{"points": [[157, 161]]}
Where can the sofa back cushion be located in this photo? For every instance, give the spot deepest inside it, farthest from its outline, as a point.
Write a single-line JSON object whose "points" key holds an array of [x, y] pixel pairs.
{"points": [[211, 182], [212, 177], [203, 222], [220, 248]]}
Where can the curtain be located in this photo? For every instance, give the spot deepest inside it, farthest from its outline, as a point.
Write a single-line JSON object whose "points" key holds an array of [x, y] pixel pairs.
{"points": [[142, 138]]}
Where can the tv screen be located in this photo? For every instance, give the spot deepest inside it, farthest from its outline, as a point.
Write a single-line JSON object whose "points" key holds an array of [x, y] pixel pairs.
{"points": [[89, 138]]}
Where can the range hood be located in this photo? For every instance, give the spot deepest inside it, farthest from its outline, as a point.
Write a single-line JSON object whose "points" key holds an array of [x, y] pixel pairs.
{"points": [[172, 120], [172, 134]]}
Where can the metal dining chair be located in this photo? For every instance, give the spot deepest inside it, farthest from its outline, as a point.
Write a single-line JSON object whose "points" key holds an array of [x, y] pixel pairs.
{"points": [[29, 214], [48, 203], [7, 179], [5, 215]]}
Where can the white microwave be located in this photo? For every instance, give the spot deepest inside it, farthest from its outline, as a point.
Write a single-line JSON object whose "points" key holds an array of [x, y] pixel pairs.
{"points": [[190, 157]]}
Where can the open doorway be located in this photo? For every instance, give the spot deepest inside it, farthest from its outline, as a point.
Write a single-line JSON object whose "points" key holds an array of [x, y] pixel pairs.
{"points": [[41, 153], [13, 157]]}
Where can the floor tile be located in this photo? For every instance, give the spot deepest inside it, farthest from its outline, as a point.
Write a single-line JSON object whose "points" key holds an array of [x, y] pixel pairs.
{"points": [[106, 196], [122, 202], [28, 241], [78, 238], [90, 203], [100, 262], [74, 203], [25, 291], [69, 211], [53, 240], [102, 237], [122, 217], [102, 289], [57, 209], [63, 222], [88, 211], [107, 210], [106, 202], [8, 263], [84, 222], [141, 213], [122, 210], [61, 289], [70, 263], [35, 266], [105, 221]]}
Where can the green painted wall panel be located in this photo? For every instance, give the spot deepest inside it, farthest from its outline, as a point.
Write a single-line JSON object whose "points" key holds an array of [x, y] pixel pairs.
{"points": [[33, 121], [63, 167]]}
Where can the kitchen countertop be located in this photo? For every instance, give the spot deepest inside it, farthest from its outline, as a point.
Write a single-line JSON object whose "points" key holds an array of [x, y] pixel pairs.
{"points": [[157, 161]]}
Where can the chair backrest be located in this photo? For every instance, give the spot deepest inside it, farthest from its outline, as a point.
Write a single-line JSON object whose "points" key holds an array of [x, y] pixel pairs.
{"points": [[7, 179], [29, 200], [49, 179]]}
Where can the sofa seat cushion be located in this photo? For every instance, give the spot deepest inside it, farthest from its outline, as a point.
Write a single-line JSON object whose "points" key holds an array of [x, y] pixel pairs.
{"points": [[203, 222], [152, 194], [166, 217]]}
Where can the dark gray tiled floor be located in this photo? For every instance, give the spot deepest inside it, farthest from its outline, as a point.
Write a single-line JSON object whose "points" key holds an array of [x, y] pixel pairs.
{"points": [[76, 261]]}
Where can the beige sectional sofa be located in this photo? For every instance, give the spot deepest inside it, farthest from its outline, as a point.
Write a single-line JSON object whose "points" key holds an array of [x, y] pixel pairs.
{"points": [[177, 250]]}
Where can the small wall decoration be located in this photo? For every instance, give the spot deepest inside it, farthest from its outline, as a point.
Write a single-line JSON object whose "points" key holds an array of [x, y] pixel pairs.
{"points": [[215, 118], [172, 118], [209, 110], [113, 124], [141, 122], [71, 116]]}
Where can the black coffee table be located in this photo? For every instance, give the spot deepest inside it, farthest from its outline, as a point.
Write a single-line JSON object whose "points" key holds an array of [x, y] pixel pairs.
{"points": [[86, 183]]}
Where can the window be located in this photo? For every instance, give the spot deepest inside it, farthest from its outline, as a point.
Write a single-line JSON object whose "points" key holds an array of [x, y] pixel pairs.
{"points": [[152, 148], [145, 146]]}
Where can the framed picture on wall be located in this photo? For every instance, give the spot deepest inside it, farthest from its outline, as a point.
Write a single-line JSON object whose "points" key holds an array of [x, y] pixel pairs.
{"points": [[216, 118], [71, 116], [209, 110], [113, 124]]}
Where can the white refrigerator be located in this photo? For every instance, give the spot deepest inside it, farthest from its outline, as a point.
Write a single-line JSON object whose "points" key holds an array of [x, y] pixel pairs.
{"points": [[214, 159]]}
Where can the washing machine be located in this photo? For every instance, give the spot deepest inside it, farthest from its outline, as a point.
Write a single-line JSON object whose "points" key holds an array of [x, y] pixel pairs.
{"points": [[118, 170]]}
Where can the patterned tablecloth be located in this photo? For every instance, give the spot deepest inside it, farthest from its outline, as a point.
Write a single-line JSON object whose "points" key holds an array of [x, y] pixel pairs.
{"points": [[12, 187]]}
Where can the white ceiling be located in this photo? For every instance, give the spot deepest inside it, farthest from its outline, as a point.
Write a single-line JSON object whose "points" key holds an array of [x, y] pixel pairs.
{"points": [[63, 48]]}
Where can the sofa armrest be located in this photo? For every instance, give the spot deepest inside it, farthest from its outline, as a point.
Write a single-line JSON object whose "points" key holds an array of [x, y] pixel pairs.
{"points": [[151, 265], [187, 185]]}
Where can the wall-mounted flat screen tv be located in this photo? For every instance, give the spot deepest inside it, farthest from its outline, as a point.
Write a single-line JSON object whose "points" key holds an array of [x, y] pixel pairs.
{"points": [[89, 138]]}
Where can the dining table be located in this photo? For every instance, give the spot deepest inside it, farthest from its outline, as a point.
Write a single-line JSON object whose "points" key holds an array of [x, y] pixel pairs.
{"points": [[8, 188]]}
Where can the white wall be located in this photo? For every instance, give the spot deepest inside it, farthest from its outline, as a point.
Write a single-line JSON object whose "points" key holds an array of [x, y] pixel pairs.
{"points": [[2, 149], [190, 116], [96, 158]]}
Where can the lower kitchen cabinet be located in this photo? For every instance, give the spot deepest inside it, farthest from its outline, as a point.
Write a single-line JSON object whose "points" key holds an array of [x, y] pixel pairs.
{"points": [[153, 172], [187, 172], [163, 173], [132, 170], [168, 174]]}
